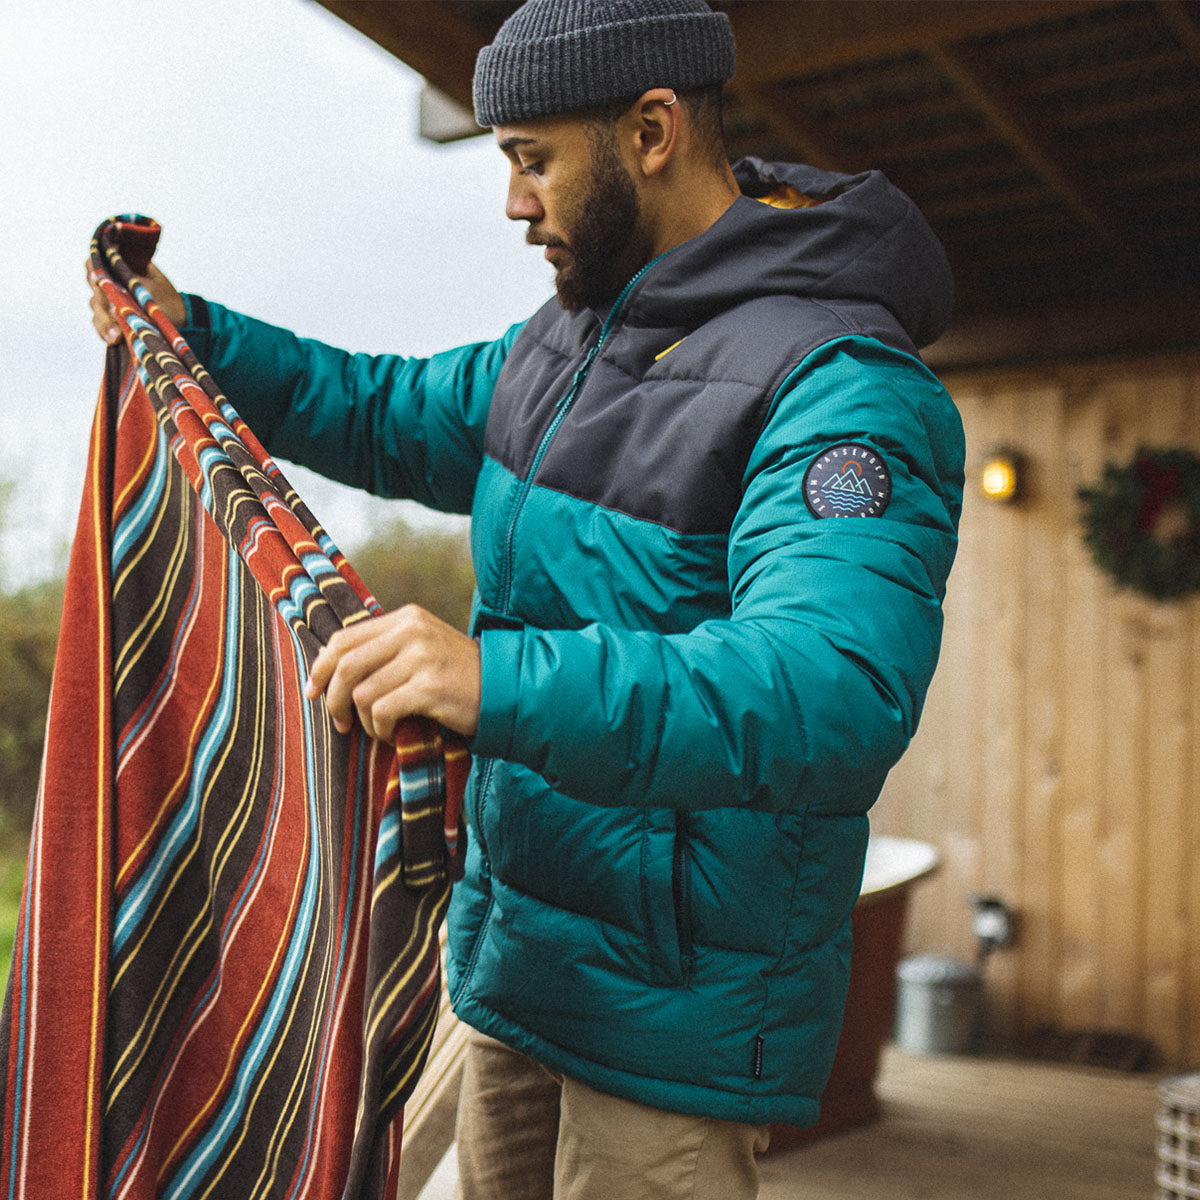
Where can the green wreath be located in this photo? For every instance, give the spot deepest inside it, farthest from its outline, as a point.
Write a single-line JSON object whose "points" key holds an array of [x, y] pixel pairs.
{"points": [[1142, 523]]}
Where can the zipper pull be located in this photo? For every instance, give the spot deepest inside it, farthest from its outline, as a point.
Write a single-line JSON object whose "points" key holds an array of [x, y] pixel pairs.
{"points": [[579, 376]]}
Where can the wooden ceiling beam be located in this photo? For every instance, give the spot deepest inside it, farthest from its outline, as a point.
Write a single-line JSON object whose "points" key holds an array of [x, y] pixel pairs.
{"points": [[1158, 201], [428, 35], [1099, 74], [814, 144], [1173, 170], [1186, 229], [981, 89], [906, 110], [1052, 252], [787, 38], [1033, 224], [931, 146], [1126, 107], [1066, 332], [1124, 22], [1134, 146], [1181, 19], [819, 148], [993, 175], [996, 204]]}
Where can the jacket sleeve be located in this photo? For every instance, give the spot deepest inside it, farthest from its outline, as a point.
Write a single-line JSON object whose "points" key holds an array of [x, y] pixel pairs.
{"points": [[812, 688], [397, 427]]}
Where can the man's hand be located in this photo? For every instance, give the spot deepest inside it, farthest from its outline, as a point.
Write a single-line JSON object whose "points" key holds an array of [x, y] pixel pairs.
{"points": [[403, 664], [161, 288]]}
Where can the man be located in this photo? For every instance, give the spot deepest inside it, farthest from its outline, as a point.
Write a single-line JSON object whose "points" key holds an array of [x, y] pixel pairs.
{"points": [[714, 496]]}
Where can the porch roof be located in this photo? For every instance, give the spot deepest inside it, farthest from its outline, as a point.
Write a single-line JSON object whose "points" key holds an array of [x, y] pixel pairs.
{"points": [[1054, 145]]}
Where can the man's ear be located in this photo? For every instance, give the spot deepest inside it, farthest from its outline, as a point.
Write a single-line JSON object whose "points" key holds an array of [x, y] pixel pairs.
{"points": [[657, 118]]}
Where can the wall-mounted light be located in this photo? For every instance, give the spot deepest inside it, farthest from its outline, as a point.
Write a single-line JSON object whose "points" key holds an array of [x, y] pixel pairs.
{"points": [[994, 924], [1003, 475]]}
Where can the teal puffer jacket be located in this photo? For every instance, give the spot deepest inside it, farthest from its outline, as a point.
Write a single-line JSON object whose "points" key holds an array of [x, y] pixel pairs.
{"points": [[694, 683]]}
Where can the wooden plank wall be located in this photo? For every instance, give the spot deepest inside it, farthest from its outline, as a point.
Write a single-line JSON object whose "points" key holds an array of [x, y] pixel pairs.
{"points": [[1058, 760]]}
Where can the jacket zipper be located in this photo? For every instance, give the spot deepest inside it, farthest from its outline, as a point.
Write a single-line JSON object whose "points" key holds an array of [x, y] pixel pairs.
{"points": [[562, 408]]}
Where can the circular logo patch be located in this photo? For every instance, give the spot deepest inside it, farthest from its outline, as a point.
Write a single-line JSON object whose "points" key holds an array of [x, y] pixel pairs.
{"points": [[850, 480]]}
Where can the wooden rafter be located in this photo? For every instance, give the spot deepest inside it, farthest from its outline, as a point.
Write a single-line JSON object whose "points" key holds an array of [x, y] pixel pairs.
{"points": [[1157, 202], [1181, 19], [987, 94], [1174, 170], [947, 184], [1126, 108], [787, 38], [1007, 255], [994, 203], [1120, 22], [1099, 74], [929, 145], [774, 44], [1186, 228], [781, 118], [1031, 225], [866, 120], [1180, 142], [1061, 332]]}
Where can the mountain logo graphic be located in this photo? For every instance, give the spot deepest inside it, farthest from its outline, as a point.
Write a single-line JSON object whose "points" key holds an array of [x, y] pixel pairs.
{"points": [[850, 480]]}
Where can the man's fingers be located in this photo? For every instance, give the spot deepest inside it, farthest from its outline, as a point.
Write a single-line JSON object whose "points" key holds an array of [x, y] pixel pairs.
{"points": [[103, 320], [380, 699], [402, 664], [358, 664], [360, 675], [331, 655], [161, 288]]}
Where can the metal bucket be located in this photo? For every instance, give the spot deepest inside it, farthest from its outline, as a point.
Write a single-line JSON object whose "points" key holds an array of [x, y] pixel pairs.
{"points": [[937, 1004]]}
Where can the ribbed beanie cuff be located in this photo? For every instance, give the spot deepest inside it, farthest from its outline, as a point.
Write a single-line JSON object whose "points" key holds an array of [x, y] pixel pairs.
{"points": [[560, 56]]}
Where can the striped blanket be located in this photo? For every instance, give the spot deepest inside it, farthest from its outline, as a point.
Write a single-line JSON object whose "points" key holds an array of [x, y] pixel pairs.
{"points": [[226, 970]]}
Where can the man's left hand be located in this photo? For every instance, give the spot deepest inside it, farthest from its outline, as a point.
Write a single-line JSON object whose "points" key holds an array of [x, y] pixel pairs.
{"points": [[403, 664]]}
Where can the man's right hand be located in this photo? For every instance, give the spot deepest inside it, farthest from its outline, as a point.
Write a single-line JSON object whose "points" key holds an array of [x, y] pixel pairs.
{"points": [[161, 288]]}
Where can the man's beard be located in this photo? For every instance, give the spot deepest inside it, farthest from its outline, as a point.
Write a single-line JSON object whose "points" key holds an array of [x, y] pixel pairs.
{"points": [[603, 240]]}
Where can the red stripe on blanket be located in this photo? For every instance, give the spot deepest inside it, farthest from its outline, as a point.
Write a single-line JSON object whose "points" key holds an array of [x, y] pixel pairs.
{"points": [[225, 976]]}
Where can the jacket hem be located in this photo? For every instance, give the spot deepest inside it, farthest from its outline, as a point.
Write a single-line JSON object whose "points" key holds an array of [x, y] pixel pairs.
{"points": [[668, 1095]]}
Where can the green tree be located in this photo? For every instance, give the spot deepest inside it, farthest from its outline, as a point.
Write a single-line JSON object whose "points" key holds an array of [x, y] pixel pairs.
{"points": [[29, 618], [432, 568], [28, 637]]}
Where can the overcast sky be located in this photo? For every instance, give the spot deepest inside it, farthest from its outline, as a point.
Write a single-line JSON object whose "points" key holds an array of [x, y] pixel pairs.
{"points": [[278, 149]]}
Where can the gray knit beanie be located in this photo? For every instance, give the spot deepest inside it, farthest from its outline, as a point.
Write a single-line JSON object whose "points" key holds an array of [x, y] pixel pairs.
{"points": [[560, 56]]}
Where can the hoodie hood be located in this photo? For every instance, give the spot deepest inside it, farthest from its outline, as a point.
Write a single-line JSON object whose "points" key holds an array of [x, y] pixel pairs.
{"points": [[865, 241]]}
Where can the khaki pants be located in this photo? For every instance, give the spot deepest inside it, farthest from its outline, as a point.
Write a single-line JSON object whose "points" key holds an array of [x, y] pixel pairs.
{"points": [[525, 1133]]}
